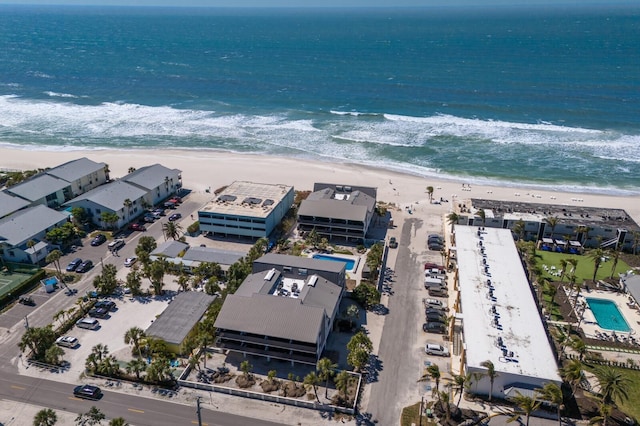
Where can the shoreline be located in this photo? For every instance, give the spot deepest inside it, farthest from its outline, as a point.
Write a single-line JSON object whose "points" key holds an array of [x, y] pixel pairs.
{"points": [[426, 174], [208, 170]]}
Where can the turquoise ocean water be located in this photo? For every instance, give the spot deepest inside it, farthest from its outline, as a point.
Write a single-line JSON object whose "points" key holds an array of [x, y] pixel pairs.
{"points": [[545, 97]]}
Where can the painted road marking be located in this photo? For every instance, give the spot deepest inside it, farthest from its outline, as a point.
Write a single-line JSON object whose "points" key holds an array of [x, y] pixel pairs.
{"points": [[195, 423], [17, 387], [136, 411]]}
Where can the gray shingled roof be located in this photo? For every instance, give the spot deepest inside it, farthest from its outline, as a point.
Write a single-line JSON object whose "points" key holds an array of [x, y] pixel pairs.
{"points": [[170, 249], [112, 195], [150, 177], [10, 203], [212, 255], [175, 323], [369, 190], [273, 316], [38, 187], [323, 294], [24, 224], [301, 262], [323, 204], [76, 169]]}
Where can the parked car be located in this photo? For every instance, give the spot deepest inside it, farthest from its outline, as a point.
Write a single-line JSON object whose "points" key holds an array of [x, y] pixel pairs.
{"points": [[430, 310], [116, 244], [174, 217], [431, 265], [67, 341], [129, 261], [88, 323], [137, 227], [435, 246], [176, 200], [433, 303], [27, 300], [169, 205], [84, 266], [159, 211], [106, 304], [431, 348], [149, 218], [438, 292], [434, 327], [73, 265], [436, 317], [99, 312], [393, 243], [98, 239], [87, 392]]}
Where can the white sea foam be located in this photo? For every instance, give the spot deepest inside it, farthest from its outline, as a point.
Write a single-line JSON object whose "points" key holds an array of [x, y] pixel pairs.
{"points": [[60, 95]]}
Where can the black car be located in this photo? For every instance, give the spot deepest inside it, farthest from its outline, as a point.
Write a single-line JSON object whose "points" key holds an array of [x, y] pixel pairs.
{"points": [[434, 311], [27, 300], [436, 317], [434, 327], [106, 304], [85, 266], [87, 392], [98, 239], [174, 217], [73, 265], [99, 312]]}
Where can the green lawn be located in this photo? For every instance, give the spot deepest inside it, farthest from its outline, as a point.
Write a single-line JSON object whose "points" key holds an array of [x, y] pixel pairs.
{"points": [[410, 415], [584, 269], [630, 407]]}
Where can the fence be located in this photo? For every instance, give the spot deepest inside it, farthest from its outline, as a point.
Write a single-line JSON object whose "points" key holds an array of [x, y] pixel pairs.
{"points": [[267, 397]]}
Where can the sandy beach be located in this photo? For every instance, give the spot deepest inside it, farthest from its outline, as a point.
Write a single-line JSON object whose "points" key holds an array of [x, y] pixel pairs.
{"points": [[204, 170]]}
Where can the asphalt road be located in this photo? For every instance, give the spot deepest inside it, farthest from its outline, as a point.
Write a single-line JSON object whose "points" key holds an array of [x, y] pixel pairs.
{"points": [[136, 410]]}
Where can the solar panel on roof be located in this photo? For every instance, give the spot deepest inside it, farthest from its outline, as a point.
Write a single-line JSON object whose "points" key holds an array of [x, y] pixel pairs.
{"points": [[227, 197]]}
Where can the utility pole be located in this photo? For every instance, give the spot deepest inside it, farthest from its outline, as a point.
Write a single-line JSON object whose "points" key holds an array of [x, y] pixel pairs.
{"points": [[26, 322], [198, 410], [420, 413]]}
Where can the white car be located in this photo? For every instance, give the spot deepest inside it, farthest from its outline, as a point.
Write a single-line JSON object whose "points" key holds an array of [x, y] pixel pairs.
{"points": [[67, 341], [435, 349], [130, 261], [433, 303]]}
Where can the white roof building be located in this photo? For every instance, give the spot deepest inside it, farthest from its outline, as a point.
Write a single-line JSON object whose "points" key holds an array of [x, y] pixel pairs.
{"points": [[500, 322]]}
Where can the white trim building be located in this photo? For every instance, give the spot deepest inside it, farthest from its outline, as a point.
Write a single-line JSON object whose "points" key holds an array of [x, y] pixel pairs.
{"points": [[500, 319]]}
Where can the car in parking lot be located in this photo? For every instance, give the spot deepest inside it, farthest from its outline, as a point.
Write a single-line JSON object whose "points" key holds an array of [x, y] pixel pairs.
{"points": [[99, 313], [129, 261], [433, 311], [174, 217], [84, 266], [435, 246], [137, 227], [433, 303], [73, 265], [106, 304], [88, 323], [393, 243], [98, 239], [434, 327], [159, 212], [435, 238], [438, 292], [67, 341], [436, 317], [431, 265], [27, 300], [431, 348], [87, 392]]}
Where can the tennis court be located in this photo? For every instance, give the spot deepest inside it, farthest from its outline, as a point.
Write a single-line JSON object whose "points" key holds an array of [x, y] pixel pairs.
{"points": [[9, 281]]}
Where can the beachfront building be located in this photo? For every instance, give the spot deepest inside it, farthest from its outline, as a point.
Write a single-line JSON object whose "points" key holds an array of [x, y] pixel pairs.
{"points": [[497, 318], [284, 310], [246, 209], [11, 204], [176, 322], [157, 180], [118, 197], [55, 186], [556, 226], [22, 234], [338, 211]]}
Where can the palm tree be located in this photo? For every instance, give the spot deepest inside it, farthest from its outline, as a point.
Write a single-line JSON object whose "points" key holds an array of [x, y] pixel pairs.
{"points": [[552, 393], [127, 208], [136, 366], [491, 373], [118, 421], [552, 221], [312, 380], [615, 256], [430, 193], [519, 229], [460, 383], [133, 336], [563, 268], [583, 234], [636, 242], [342, 382], [605, 412], [434, 372], [325, 370], [483, 216], [54, 257], [443, 398], [614, 385], [453, 218], [45, 417], [596, 255], [578, 345], [171, 230], [573, 373], [527, 404]]}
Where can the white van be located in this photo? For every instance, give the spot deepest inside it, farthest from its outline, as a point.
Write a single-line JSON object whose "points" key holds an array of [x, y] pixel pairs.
{"points": [[433, 303], [435, 273], [430, 283], [435, 349], [88, 323]]}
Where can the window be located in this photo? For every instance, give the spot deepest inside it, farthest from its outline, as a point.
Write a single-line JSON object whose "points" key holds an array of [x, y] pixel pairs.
{"points": [[302, 271], [287, 269]]}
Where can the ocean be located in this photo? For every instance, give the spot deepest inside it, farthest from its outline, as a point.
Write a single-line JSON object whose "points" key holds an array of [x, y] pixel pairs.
{"points": [[546, 98]]}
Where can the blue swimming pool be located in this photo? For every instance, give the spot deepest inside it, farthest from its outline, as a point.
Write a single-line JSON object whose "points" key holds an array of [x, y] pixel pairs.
{"points": [[608, 315], [350, 263]]}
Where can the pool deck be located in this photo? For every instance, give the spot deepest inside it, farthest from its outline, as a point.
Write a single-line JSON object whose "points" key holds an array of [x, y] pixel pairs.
{"points": [[629, 311], [355, 273]]}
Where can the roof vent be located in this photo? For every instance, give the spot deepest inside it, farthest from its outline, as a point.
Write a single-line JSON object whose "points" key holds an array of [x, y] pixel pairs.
{"points": [[339, 187], [347, 189], [270, 275], [267, 202], [252, 200], [227, 197], [313, 280]]}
